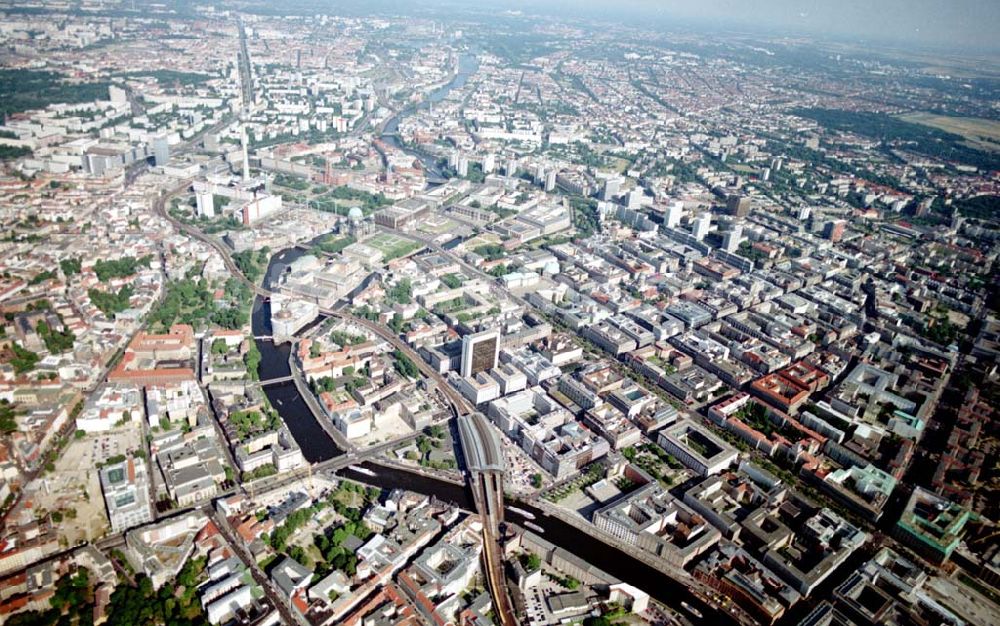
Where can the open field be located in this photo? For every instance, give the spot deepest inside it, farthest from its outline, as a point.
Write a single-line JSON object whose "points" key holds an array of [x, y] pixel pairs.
{"points": [[392, 246], [73, 488], [978, 133]]}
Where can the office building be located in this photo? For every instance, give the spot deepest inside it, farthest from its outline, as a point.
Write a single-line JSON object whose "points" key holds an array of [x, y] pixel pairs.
{"points": [[511, 168], [701, 225], [634, 200], [697, 448], [126, 494], [673, 214], [161, 151], [654, 521], [117, 95], [932, 525], [834, 230], [611, 187], [480, 352], [738, 205], [732, 238], [205, 203]]}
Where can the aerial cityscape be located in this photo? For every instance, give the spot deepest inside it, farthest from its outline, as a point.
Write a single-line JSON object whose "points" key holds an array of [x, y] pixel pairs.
{"points": [[323, 312]]}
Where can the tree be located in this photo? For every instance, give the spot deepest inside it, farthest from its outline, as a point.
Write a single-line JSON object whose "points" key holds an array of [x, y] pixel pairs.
{"points": [[532, 562], [24, 360], [41, 277], [401, 292], [120, 268], [404, 365], [396, 323], [110, 303], [8, 412], [252, 361], [56, 342], [231, 318], [70, 266], [246, 261]]}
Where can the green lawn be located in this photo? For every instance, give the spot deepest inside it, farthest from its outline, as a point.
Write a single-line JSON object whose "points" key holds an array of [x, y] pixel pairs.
{"points": [[392, 246]]}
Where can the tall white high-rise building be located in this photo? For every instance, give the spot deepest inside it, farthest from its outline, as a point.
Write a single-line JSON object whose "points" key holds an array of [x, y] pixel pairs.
{"points": [[489, 163], [634, 200], [550, 181], [161, 150], [117, 94], [701, 226], [611, 188], [731, 240], [673, 214], [205, 203], [539, 175]]}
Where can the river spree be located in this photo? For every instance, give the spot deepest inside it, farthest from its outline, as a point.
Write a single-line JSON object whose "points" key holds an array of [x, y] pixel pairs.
{"points": [[467, 66], [285, 398], [566, 536]]}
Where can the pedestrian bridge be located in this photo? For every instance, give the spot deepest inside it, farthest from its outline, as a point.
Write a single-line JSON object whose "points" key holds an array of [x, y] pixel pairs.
{"points": [[275, 381]]}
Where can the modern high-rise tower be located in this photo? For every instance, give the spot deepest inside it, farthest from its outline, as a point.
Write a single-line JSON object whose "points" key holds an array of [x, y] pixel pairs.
{"points": [[161, 150], [738, 205], [480, 352], [673, 214], [701, 225]]}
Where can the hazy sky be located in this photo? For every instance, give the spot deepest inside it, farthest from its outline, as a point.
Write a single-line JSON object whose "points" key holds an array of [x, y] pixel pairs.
{"points": [[953, 23]]}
